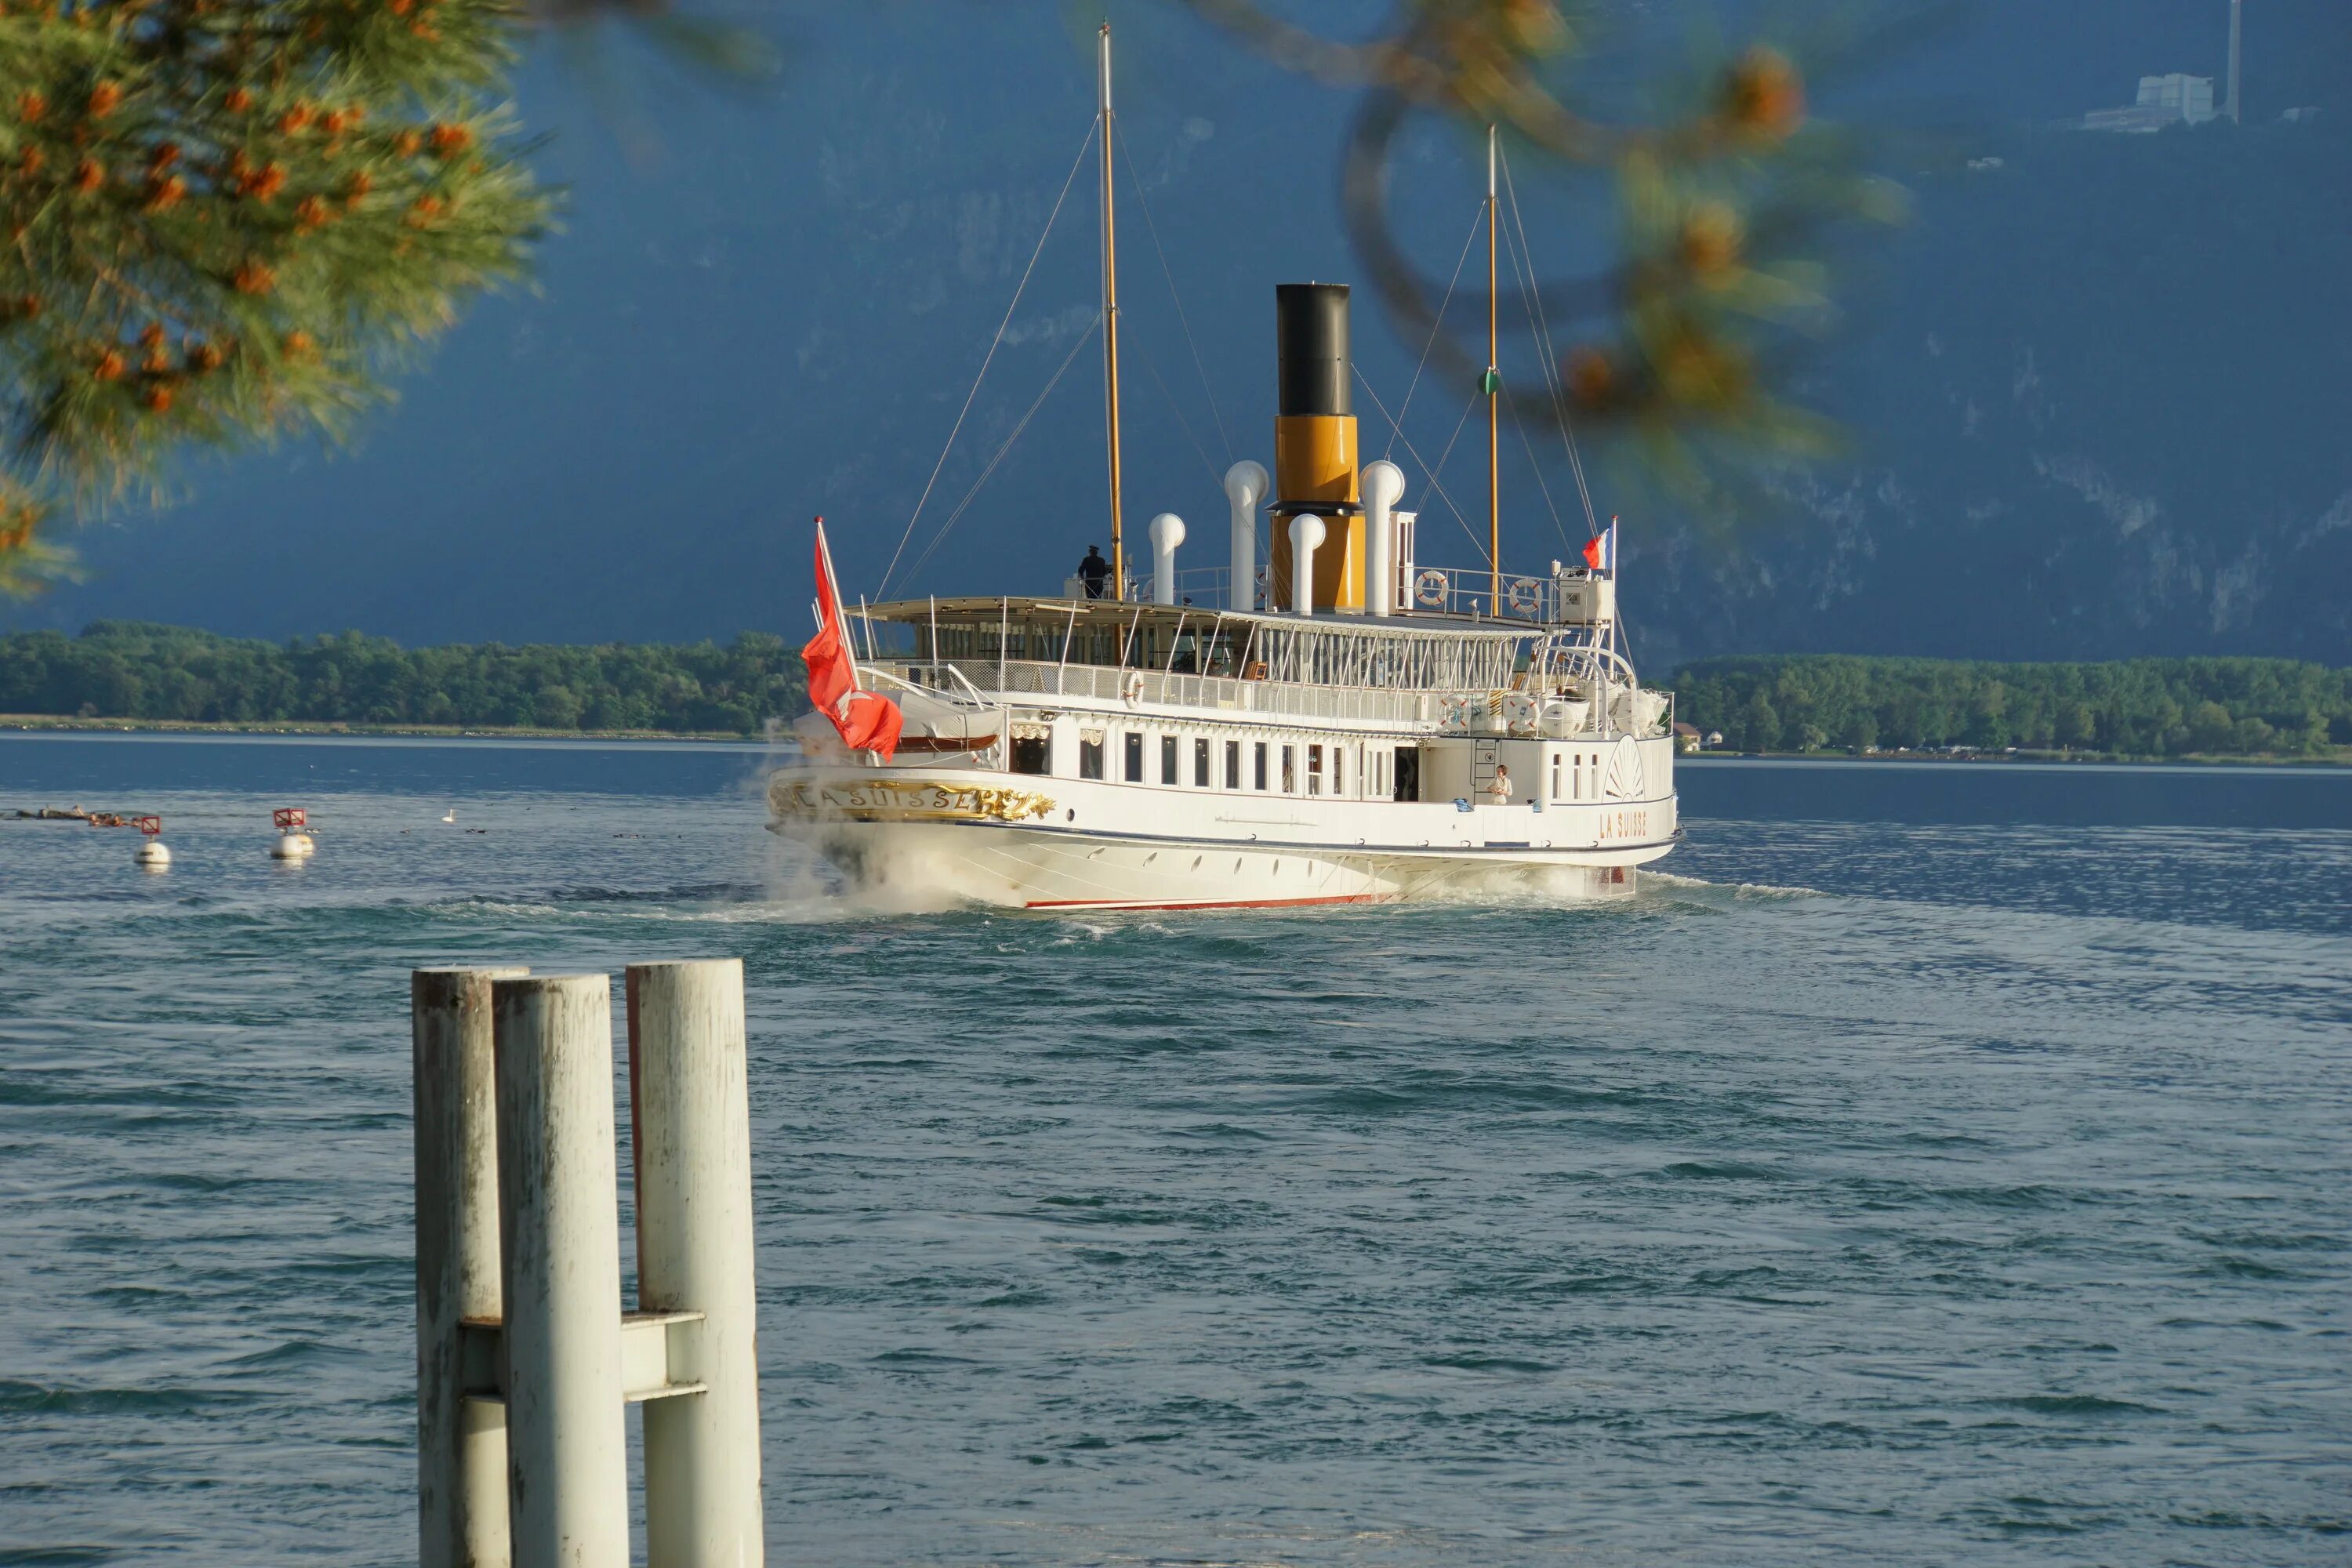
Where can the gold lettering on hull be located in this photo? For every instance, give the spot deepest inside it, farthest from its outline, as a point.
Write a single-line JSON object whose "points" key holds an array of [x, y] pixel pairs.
{"points": [[1632, 824], [900, 800]]}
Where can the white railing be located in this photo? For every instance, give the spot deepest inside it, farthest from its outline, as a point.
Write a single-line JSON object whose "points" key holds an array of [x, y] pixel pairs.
{"points": [[984, 683], [1205, 588], [1451, 591]]}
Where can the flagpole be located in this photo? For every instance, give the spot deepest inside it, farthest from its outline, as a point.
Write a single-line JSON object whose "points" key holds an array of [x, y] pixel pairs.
{"points": [[1494, 387], [1110, 320], [832, 586]]}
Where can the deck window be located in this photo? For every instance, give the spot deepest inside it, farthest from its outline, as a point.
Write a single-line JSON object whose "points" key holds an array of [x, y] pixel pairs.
{"points": [[1032, 754], [1339, 769], [1555, 776], [1290, 770], [1233, 764], [1090, 754], [1134, 745], [1261, 765], [1167, 775], [1315, 770], [1200, 761], [1407, 774]]}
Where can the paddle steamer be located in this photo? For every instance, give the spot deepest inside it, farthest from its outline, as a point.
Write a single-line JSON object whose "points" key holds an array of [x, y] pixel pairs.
{"points": [[1328, 721]]}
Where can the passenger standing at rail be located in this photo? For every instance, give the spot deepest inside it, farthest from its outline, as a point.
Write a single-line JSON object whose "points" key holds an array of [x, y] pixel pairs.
{"points": [[1094, 572], [1499, 788]]}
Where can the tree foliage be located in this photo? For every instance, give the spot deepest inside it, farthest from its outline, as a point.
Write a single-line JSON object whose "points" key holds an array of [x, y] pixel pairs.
{"points": [[225, 216], [2141, 707], [126, 669]]}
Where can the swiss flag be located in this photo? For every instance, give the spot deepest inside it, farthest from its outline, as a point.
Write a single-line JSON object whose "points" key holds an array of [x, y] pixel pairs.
{"points": [[868, 722]]}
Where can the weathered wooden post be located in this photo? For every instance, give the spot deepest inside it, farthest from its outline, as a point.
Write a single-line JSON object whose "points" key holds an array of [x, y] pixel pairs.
{"points": [[557, 1216], [461, 1441], [689, 1084]]}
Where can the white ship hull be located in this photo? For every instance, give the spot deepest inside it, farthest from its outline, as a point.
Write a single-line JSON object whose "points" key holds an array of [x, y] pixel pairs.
{"points": [[952, 834]]}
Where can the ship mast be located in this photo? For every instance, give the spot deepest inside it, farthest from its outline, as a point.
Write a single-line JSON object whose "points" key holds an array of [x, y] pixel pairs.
{"points": [[1494, 384], [1110, 318]]}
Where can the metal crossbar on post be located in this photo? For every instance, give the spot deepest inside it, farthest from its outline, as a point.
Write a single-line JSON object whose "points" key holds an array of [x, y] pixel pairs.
{"points": [[525, 1357]]}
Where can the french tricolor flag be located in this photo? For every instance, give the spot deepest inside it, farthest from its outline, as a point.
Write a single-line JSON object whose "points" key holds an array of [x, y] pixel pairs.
{"points": [[1601, 550]]}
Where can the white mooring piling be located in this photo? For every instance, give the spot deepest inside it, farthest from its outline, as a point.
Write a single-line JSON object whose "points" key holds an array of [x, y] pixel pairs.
{"points": [[692, 1138], [461, 1438], [559, 1227], [524, 1358]]}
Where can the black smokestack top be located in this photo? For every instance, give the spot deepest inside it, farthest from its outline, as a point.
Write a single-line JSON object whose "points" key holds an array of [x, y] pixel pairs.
{"points": [[1311, 348]]}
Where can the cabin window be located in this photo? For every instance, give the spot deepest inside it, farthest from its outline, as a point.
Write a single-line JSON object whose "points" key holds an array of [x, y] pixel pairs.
{"points": [[1134, 741], [1200, 761], [1407, 774], [1261, 765], [1290, 770], [1339, 769], [1555, 777], [1090, 754], [1314, 770], [1233, 764], [1032, 754], [1168, 761]]}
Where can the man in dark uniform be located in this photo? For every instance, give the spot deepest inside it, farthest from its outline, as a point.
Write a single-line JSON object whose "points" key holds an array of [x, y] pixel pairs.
{"points": [[1094, 572]]}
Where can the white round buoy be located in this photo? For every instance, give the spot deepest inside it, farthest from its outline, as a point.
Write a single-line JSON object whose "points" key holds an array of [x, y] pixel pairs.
{"points": [[291, 846], [153, 856]]}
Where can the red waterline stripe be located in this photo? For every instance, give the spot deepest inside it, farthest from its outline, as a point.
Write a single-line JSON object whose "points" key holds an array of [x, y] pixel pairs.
{"points": [[1212, 904]]}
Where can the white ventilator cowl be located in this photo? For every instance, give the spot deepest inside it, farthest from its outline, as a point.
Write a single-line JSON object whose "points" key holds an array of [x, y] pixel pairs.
{"points": [[1307, 532], [1383, 486], [1166, 533], [1245, 486]]}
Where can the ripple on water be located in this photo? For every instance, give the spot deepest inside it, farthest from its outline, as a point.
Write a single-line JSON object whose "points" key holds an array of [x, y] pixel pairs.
{"points": [[1883, 1190]]}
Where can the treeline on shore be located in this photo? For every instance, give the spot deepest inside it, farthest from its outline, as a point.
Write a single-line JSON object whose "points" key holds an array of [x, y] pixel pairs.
{"points": [[129, 670], [2140, 707]]}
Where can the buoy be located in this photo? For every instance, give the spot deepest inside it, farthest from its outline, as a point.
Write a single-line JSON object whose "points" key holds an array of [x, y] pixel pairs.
{"points": [[293, 844], [151, 855]]}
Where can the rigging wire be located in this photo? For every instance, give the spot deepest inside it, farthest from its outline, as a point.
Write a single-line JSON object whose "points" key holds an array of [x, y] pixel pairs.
{"points": [[1083, 337], [1186, 425], [1168, 272], [993, 344], [1427, 473], [1396, 425], [1528, 447], [1550, 357]]}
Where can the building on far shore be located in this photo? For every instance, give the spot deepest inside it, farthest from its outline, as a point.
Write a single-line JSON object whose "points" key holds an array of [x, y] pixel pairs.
{"points": [[2174, 100]]}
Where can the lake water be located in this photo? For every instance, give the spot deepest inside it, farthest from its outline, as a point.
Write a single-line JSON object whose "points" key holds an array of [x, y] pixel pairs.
{"points": [[1947, 1164]]}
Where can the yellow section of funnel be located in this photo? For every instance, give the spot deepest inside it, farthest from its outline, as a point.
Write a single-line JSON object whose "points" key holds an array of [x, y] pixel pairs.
{"points": [[1315, 462]]}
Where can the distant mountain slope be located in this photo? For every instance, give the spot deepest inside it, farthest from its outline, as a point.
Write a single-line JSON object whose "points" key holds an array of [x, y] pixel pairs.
{"points": [[2105, 410]]}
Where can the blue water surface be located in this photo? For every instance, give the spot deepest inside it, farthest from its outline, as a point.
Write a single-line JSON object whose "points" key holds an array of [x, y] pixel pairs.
{"points": [[1942, 1163]]}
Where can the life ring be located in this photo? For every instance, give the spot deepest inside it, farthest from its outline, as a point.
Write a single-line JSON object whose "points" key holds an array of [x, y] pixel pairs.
{"points": [[1519, 713], [1429, 588], [1130, 690], [1454, 714], [1522, 595]]}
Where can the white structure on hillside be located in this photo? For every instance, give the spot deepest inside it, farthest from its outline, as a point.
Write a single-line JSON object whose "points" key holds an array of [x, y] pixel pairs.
{"points": [[2173, 99]]}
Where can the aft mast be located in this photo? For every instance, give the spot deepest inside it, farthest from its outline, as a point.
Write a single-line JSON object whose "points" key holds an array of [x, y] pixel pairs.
{"points": [[1494, 384], [1110, 317]]}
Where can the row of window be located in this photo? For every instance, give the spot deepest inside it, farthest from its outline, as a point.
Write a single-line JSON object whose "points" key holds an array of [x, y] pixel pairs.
{"points": [[1382, 773]]}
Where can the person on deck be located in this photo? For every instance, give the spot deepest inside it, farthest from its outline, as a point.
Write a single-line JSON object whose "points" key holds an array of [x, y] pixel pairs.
{"points": [[1499, 788], [1094, 572]]}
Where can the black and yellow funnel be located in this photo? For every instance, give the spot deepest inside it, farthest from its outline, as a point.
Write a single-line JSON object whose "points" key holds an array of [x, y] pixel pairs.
{"points": [[1314, 443]]}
